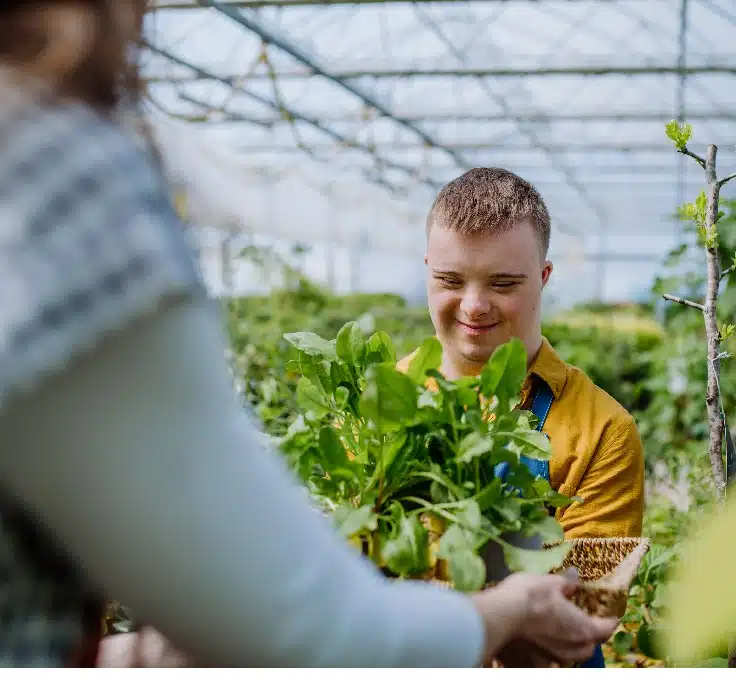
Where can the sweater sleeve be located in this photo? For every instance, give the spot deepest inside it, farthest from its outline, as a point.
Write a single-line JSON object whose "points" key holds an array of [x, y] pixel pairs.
{"points": [[149, 474]]}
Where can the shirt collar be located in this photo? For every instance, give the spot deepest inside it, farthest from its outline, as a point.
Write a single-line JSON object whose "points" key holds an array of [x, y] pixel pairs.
{"points": [[548, 366]]}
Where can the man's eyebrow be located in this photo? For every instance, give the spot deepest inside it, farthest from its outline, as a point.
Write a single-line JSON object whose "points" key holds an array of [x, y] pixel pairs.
{"points": [[495, 275], [509, 275]]}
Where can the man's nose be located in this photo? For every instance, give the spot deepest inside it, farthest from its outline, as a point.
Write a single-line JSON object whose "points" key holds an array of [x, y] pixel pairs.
{"points": [[475, 304]]}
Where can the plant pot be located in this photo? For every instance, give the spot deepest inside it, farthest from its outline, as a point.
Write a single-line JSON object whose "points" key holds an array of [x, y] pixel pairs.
{"points": [[492, 554]]}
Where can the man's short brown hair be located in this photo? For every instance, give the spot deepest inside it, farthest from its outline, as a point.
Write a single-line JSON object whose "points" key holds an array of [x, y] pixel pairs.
{"points": [[490, 200]]}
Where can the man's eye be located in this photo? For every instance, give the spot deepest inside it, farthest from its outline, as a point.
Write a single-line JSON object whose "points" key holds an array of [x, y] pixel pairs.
{"points": [[450, 283], [505, 285]]}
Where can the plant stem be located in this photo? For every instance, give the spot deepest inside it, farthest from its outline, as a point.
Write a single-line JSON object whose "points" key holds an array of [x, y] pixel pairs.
{"points": [[727, 272], [696, 157], [683, 301], [712, 397]]}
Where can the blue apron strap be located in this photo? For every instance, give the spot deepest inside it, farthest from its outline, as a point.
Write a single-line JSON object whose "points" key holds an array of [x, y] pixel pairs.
{"points": [[541, 404], [596, 661]]}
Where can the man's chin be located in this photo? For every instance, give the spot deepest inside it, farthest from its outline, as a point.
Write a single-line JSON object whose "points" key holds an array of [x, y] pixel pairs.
{"points": [[476, 355]]}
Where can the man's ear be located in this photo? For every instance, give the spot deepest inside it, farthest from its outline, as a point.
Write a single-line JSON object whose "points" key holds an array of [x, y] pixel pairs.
{"points": [[546, 272]]}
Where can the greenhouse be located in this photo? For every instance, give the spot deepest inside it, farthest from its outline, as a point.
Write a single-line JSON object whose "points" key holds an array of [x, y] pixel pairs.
{"points": [[306, 140], [494, 439]]}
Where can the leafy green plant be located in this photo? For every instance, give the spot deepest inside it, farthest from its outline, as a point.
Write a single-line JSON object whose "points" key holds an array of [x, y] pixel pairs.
{"points": [[386, 457]]}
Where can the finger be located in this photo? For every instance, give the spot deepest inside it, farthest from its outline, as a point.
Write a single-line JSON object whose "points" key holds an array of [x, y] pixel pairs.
{"points": [[574, 625], [568, 581], [603, 628]]}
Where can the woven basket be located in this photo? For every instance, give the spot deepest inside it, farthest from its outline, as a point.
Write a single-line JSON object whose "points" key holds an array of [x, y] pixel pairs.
{"points": [[606, 567]]}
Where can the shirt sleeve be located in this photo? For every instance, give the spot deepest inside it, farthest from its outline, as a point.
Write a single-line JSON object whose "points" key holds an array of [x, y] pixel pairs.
{"points": [[145, 468], [612, 488], [89, 241]]}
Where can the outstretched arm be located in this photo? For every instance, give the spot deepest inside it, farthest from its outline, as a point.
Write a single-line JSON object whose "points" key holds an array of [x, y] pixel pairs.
{"points": [[150, 474]]}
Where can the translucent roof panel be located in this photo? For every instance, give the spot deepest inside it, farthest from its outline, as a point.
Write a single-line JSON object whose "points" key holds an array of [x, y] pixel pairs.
{"points": [[336, 124]]}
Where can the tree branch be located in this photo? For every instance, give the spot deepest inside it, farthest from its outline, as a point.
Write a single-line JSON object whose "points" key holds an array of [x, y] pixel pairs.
{"points": [[727, 272], [696, 157], [684, 301], [723, 181], [716, 422]]}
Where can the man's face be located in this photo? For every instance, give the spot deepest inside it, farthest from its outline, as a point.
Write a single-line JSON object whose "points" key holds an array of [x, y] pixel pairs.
{"points": [[484, 289]]}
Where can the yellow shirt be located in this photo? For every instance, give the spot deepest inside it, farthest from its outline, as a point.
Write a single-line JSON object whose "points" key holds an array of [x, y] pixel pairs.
{"points": [[597, 453]]}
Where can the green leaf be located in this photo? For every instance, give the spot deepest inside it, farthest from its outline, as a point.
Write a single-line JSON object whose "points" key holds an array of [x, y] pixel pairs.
{"points": [[509, 508], [427, 358], [319, 372], [297, 428], [312, 344], [437, 476], [467, 569], [407, 551], [505, 371], [672, 129], [391, 448], [381, 343], [549, 530], [622, 642], [490, 495], [680, 134], [535, 560], [333, 452], [353, 520], [428, 399], [647, 640], [342, 395], [469, 516], [530, 443], [555, 499], [389, 396], [311, 400], [474, 445], [350, 344]]}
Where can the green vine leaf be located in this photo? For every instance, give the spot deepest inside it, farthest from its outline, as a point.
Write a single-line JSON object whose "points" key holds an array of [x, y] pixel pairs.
{"points": [[535, 560]]}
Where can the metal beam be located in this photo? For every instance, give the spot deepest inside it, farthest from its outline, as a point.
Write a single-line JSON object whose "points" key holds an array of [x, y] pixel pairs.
{"points": [[718, 11], [272, 37], [295, 115], [178, 5], [355, 73], [363, 117], [528, 130], [482, 145]]}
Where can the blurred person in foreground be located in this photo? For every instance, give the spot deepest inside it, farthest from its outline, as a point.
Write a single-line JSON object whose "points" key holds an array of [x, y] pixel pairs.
{"points": [[488, 235], [129, 470]]}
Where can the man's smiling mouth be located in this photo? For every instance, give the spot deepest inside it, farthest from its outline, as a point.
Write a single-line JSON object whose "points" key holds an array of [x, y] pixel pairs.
{"points": [[476, 329]]}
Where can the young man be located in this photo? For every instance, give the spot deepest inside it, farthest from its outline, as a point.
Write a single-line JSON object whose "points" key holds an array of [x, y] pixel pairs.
{"points": [[488, 236]]}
